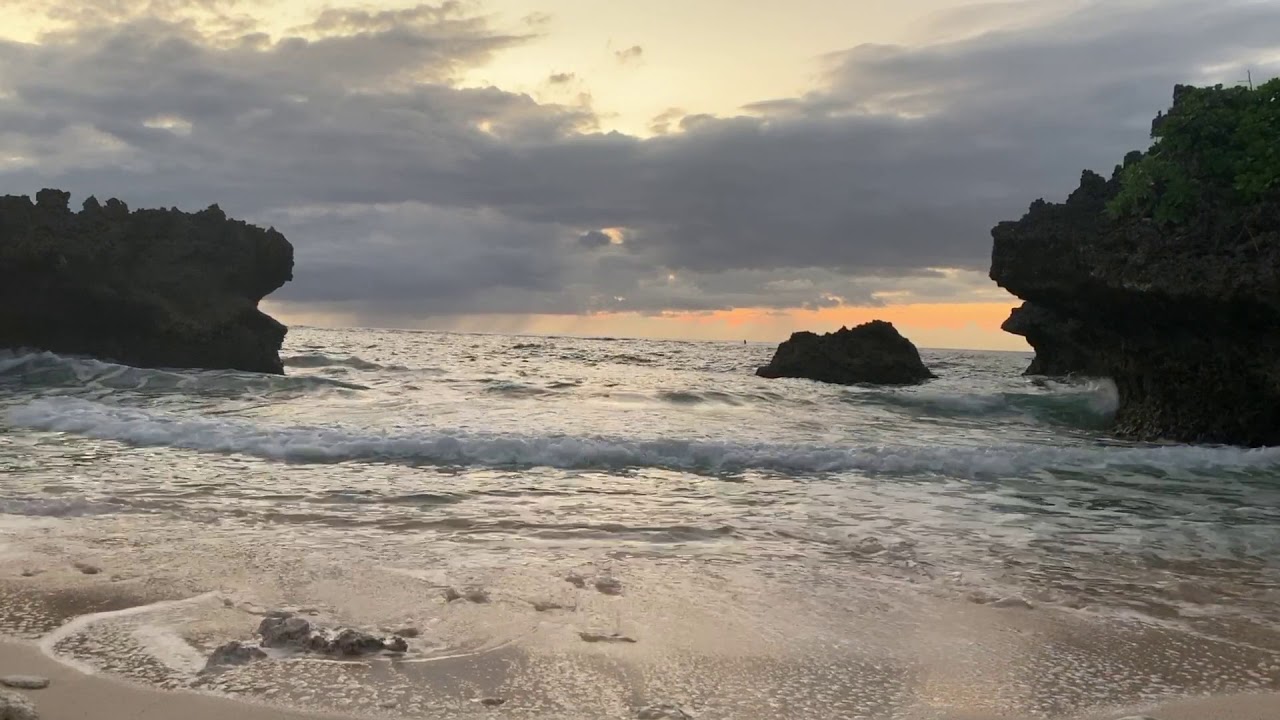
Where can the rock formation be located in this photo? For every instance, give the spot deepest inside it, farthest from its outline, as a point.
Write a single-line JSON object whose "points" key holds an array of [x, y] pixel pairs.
{"points": [[872, 353], [1166, 278], [150, 288], [1055, 341], [283, 630]]}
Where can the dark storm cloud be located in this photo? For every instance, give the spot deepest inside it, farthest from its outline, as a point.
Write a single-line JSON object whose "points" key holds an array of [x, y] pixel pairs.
{"points": [[594, 239], [400, 189]]}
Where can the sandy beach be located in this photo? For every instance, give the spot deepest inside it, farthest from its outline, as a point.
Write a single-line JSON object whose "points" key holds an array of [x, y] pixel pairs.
{"points": [[72, 695], [75, 696]]}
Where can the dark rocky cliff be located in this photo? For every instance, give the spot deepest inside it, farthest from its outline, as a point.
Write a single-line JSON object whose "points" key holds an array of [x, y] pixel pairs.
{"points": [[150, 288], [1165, 278]]}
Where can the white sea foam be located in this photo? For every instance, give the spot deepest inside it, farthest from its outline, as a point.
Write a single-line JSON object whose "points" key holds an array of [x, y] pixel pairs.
{"points": [[320, 360], [49, 369], [1097, 397], [79, 623], [57, 507], [317, 444]]}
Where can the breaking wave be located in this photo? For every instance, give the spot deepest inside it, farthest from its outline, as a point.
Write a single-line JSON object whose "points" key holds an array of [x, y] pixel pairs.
{"points": [[320, 360], [319, 444], [1088, 404], [46, 369]]}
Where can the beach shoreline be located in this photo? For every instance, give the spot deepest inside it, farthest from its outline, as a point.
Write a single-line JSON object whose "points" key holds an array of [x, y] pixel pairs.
{"points": [[109, 639], [805, 553], [73, 695]]}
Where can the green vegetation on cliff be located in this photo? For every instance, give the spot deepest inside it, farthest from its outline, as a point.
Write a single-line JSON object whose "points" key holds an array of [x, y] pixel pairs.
{"points": [[1216, 151]]}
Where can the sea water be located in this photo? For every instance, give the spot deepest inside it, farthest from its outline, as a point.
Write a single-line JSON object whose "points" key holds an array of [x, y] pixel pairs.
{"points": [[785, 548]]}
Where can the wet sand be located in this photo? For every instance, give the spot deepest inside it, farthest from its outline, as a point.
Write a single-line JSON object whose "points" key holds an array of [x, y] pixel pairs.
{"points": [[76, 696], [542, 678], [720, 641]]}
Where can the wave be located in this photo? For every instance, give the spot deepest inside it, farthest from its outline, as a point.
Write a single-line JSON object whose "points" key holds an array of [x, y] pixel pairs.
{"points": [[58, 507], [629, 359], [320, 360], [319, 444], [513, 389], [686, 397], [46, 369], [1087, 403]]}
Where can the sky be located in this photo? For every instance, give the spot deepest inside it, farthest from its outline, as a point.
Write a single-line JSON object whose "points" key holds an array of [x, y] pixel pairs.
{"points": [[703, 169]]}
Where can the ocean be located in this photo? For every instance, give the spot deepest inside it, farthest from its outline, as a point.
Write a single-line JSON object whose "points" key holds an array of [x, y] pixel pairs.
{"points": [[768, 548]]}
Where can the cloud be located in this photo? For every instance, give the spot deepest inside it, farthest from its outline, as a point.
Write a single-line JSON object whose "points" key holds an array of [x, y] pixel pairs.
{"points": [[406, 194], [561, 78], [629, 55], [594, 239], [665, 121]]}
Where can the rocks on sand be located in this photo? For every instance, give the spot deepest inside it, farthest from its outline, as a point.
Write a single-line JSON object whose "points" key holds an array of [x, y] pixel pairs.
{"points": [[15, 706], [285, 632], [479, 596], [593, 637], [663, 711], [233, 653], [609, 585], [25, 682], [281, 629]]}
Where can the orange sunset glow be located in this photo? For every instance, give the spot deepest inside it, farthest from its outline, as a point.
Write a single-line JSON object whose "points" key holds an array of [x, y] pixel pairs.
{"points": [[932, 325]]}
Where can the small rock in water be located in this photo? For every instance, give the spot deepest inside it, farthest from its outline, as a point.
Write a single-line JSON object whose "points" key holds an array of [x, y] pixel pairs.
{"points": [[599, 637], [407, 632], [868, 546], [397, 644], [492, 701], [14, 706], [1012, 601], [86, 568], [25, 682], [353, 642], [233, 653], [609, 585], [318, 644], [663, 711], [476, 595], [277, 632], [575, 580], [451, 594]]}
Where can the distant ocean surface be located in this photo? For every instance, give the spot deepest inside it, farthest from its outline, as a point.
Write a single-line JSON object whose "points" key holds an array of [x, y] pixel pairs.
{"points": [[813, 539]]}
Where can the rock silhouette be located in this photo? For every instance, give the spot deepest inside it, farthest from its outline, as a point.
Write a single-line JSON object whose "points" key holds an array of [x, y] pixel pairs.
{"points": [[1164, 278], [872, 353], [149, 288]]}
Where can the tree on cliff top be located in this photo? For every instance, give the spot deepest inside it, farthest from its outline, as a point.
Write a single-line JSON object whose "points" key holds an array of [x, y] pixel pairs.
{"points": [[1217, 149]]}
